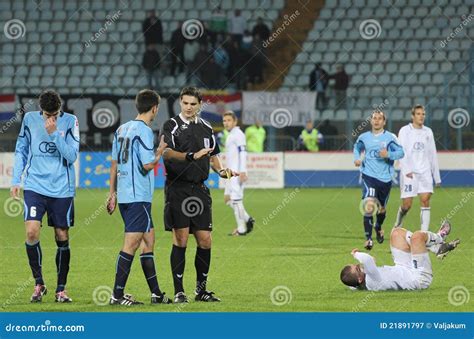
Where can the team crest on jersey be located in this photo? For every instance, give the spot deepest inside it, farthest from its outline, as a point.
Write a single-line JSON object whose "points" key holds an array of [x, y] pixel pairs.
{"points": [[61, 133], [207, 143], [418, 146]]}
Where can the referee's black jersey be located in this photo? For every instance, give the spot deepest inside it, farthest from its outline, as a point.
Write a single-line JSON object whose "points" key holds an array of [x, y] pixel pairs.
{"points": [[183, 136]]}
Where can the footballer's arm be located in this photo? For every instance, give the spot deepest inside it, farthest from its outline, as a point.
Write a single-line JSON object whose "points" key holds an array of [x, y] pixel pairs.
{"points": [[112, 199], [69, 150]]}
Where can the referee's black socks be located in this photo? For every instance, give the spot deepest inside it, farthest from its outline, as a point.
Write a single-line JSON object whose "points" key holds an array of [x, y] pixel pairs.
{"points": [[178, 260], [34, 258], [63, 256], [124, 263], [148, 265], [202, 263]]}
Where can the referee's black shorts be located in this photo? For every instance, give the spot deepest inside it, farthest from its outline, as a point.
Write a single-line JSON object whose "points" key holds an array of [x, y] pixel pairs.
{"points": [[187, 205]]}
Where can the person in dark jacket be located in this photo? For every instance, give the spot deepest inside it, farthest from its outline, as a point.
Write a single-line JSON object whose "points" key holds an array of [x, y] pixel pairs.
{"points": [[151, 63], [340, 86], [261, 30], [177, 50], [152, 30], [318, 81]]}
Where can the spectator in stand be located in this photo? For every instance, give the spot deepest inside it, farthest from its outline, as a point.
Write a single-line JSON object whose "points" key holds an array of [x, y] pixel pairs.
{"points": [[152, 30], [200, 66], [256, 63], [318, 81], [238, 25], [190, 50], [309, 138], [255, 136], [329, 131], [177, 49], [247, 41], [218, 22], [151, 64], [237, 72], [222, 60], [340, 86], [261, 30]]}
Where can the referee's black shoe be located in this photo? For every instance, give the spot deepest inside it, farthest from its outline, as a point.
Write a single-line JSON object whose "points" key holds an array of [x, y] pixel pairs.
{"points": [[206, 296], [180, 298], [250, 224]]}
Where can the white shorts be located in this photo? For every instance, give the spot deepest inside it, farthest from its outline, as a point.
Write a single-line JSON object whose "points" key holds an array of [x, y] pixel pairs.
{"points": [[416, 268], [421, 183], [234, 188]]}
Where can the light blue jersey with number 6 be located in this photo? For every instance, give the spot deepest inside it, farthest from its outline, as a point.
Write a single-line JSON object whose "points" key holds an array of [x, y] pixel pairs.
{"points": [[132, 148]]}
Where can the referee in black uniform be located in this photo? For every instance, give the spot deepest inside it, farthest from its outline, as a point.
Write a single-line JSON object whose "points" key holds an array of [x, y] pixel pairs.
{"points": [[192, 148]]}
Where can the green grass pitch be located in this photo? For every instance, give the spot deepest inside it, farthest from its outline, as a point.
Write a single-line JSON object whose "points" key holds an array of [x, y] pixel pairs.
{"points": [[297, 254]]}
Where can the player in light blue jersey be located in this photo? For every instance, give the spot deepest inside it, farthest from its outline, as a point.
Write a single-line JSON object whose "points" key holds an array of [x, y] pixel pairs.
{"points": [[381, 149], [46, 149], [132, 184]]}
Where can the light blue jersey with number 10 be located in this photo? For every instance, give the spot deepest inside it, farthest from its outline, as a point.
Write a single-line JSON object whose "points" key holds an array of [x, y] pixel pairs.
{"points": [[132, 148]]}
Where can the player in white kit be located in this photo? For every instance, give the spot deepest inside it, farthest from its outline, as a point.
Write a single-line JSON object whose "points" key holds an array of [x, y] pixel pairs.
{"points": [[412, 269], [236, 159], [419, 167]]}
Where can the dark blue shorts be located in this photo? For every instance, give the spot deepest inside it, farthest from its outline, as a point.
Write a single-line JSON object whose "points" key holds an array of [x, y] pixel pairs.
{"points": [[60, 210], [374, 188], [137, 216]]}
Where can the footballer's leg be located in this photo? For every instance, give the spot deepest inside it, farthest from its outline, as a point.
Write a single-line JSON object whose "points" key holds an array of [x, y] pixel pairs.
{"points": [[61, 217], [178, 261], [383, 194], [35, 208], [402, 211], [202, 263], [368, 192], [63, 257], [35, 257], [147, 261], [425, 213], [124, 263]]}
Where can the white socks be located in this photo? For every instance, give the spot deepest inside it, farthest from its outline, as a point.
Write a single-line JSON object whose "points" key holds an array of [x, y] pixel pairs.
{"points": [[241, 215], [425, 218]]}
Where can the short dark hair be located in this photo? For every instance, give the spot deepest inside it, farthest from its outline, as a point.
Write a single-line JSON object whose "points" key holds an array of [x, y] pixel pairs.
{"points": [[348, 277], [50, 101], [417, 107], [377, 111], [230, 114], [191, 91], [145, 100]]}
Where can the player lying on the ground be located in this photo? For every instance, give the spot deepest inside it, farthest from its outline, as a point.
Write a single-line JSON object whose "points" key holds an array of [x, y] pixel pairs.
{"points": [[418, 168], [412, 269], [381, 149], [236, 160], [46, 149]]}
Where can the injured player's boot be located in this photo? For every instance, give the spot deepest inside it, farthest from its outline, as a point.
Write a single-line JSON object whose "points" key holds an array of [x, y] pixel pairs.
{"points": [[447, 247]]}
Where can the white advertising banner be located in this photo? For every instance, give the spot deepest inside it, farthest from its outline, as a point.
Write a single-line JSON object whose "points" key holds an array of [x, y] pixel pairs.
{"points": [[264, 170], [6, 169], [278, 109]]}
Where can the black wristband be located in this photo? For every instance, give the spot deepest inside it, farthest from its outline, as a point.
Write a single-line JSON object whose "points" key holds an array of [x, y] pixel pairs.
{"points": [[190, 156]]}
